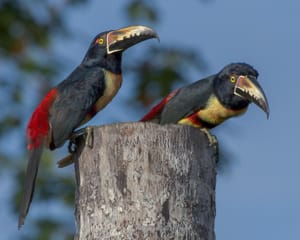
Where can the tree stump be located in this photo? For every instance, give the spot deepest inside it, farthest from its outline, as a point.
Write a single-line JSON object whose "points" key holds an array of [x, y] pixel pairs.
{"points": [[145, 181]]}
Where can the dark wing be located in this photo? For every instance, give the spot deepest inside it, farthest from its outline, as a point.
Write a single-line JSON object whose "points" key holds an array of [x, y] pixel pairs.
{"points": [[76, 98], [187, 101]]}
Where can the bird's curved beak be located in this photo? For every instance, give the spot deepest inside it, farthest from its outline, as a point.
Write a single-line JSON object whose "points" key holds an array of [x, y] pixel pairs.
{"points": [[249, 88], [123, 38]]}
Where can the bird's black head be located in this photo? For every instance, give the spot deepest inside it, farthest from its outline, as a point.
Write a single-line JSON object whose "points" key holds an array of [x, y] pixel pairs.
{"points": [[106, 48], [236, 86]]}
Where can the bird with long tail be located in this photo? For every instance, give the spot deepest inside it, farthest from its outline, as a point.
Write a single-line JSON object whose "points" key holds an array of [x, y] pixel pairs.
{"points": [[74, 101]]}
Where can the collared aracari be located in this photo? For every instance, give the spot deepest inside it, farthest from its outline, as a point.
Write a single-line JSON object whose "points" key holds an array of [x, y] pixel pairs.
{"points": [[208, 102], [87, 90]]}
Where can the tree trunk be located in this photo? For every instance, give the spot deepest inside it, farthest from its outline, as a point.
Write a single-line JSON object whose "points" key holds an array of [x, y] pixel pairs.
{"points": [[146, 181]]}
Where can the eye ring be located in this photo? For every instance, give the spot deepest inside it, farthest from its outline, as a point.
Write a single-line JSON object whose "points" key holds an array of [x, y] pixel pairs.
{"points": [[100, 41], [232, 79]]}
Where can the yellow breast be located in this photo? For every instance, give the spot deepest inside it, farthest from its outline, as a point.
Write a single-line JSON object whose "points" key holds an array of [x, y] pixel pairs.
{"points": [[216, 113], [113, 83]]}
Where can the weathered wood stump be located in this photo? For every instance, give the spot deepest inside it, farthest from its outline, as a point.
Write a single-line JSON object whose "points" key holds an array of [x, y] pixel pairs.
{"points": [[146, 181]]}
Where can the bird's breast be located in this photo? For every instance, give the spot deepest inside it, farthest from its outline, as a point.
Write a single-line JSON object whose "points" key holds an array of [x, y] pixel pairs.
{"points": [[113, 83], [213, 114]]}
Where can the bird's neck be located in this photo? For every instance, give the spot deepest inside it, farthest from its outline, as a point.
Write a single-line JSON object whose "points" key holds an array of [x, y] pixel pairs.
{"points": [[110, 62], [113, 63]]}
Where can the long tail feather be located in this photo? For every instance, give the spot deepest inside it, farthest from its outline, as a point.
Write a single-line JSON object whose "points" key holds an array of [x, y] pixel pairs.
{"points": [[31, 173]]}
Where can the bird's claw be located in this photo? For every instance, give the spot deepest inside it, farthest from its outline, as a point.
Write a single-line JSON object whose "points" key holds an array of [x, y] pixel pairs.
{"points": [[211, 138], [88, 135], [72, 146], [213, 142]]}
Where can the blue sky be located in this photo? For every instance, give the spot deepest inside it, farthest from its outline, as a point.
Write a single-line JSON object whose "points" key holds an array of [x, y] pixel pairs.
{"points": [[258, 198]]}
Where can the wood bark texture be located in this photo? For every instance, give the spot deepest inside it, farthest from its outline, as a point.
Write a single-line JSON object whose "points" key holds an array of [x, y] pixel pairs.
{"points": [[145, 181]]}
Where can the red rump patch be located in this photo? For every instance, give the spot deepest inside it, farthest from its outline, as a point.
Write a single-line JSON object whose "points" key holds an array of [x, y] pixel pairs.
{"points": [[159, 107], [38, 126], [195, 120]]}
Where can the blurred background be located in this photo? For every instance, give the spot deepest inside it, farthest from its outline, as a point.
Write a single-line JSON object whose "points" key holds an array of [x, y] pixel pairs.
{"points": [[41, 42]]}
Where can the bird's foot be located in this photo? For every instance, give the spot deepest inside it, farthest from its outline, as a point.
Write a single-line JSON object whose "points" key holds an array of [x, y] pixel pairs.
{"points": [[211, 138], [88, 135], [213, 142]]}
